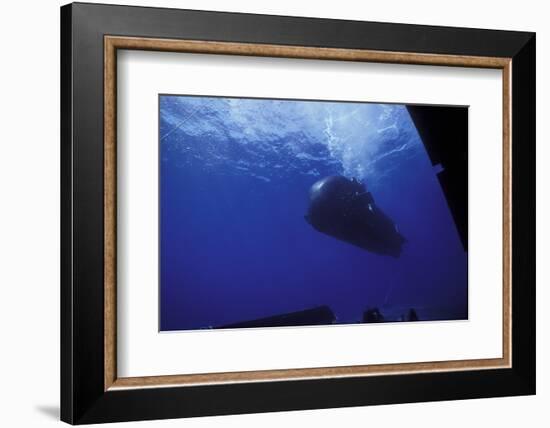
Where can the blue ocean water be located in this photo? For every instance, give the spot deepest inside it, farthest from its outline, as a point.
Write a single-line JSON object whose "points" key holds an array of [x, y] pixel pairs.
{"points": [[234, 180]]}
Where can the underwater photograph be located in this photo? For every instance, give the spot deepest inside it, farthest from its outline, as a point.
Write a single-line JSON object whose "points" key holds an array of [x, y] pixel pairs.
{"points": [[284, 212]]}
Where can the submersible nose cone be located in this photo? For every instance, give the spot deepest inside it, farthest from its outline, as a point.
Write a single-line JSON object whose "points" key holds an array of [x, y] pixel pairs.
{"points": [[343, 209], [333, 186]]}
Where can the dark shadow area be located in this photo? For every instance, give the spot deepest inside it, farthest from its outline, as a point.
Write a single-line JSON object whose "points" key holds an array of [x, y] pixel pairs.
{"points": [[51, 412], [323, 315], [444, 132]]}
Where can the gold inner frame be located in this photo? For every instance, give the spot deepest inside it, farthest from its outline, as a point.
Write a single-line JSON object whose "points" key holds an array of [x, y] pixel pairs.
{"points": [[113, 43]]}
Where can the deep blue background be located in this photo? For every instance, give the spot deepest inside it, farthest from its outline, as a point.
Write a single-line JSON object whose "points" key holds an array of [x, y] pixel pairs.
{"points": [[234, 182]]}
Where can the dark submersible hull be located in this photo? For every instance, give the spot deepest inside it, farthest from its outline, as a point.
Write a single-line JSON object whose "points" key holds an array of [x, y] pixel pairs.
{"points": [[320, 315], [343, 209]]}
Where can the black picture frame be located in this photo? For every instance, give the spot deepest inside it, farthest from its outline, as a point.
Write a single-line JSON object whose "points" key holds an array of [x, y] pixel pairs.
{"points": [[83, 396]]}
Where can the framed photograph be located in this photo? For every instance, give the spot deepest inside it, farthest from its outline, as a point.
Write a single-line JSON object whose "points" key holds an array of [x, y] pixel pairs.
{"points": [[265, 213]]}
